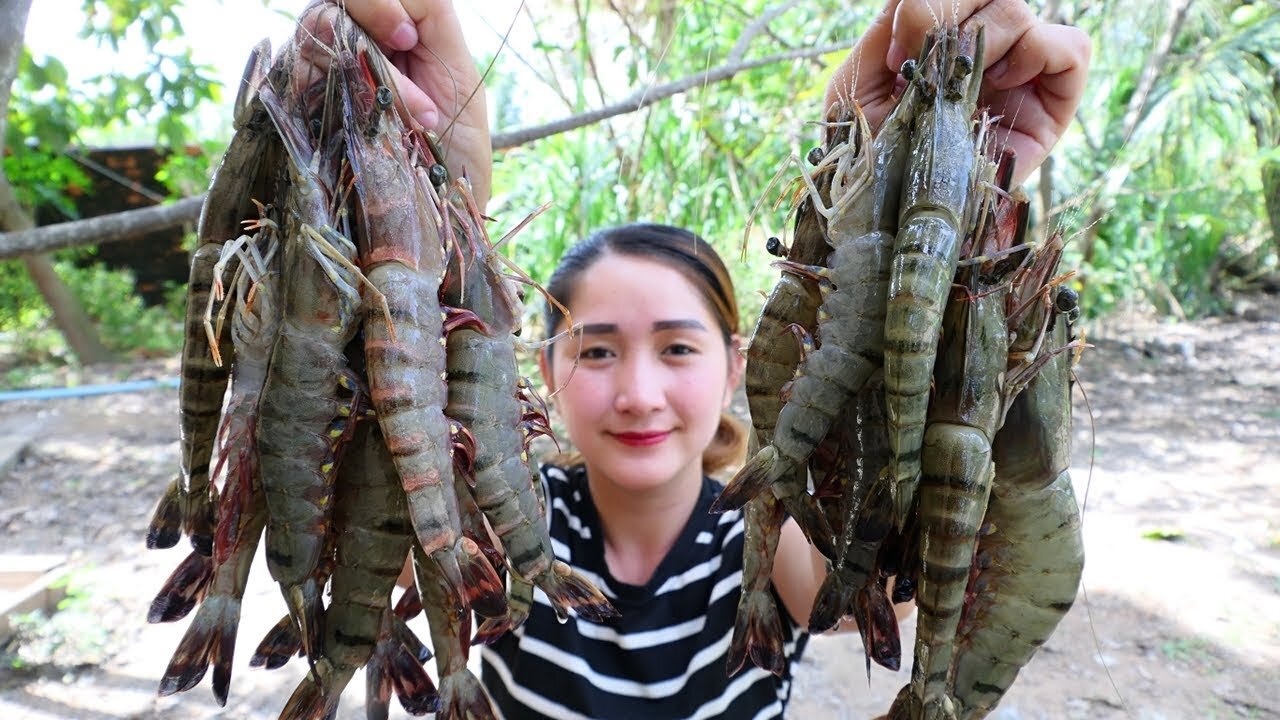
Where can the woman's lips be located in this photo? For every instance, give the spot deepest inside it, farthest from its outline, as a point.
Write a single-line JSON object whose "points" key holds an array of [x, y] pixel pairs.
{"points": [[641, 439]]}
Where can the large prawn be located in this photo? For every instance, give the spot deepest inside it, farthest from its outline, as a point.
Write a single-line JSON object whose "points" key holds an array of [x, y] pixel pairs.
{"points": [[206, 357], [771, 365], [403, 256], [861, 221], [484, 395], [930, 227], [322, 308], [373, 539], [1027, 568]]}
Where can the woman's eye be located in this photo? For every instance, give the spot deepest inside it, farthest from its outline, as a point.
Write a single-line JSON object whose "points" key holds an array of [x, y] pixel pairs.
{"points": [[593, 353], [681, 349]]}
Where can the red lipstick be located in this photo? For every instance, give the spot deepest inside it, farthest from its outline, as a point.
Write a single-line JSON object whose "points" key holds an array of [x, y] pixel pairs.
{"points": [[641, 439]]}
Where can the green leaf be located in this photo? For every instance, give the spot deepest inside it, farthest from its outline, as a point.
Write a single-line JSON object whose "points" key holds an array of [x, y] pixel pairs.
{"points": [[1166, 533]]}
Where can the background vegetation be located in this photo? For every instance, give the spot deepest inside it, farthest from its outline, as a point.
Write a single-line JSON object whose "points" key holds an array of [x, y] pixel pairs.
{"points": [[1162, 185]]}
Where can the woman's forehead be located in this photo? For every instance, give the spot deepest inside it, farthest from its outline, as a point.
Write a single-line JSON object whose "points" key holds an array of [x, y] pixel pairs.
{"points": [[626, 284]]}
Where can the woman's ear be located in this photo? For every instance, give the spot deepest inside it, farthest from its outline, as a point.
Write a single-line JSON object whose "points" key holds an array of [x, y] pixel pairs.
{"points": [[737, 366]]}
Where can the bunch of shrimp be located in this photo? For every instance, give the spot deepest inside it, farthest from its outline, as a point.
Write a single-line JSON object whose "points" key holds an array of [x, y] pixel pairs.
{"points": [[351, 394], [918, 429]]}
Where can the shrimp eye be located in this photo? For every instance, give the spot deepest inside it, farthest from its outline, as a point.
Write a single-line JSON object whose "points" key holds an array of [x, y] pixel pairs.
{"points": [[439, 175], [963, 66], [908, 69], [775, 247], [383, 97], [1068, 300], [815, 155]]}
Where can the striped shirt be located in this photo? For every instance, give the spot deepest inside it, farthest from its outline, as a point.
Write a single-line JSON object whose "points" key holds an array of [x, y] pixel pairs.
{"points": [[665, 656]]}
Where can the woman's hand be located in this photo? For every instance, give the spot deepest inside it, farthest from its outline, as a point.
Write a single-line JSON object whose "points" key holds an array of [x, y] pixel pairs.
{"points": [[1034, 79], [437, 79]]}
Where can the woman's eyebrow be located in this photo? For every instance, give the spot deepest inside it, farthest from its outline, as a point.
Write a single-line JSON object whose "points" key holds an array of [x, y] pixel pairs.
{"points": [[683, 324], [599, 329]]}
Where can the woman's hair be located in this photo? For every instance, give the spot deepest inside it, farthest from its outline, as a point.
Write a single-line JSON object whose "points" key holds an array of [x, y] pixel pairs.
{"points": [[689, 255]]}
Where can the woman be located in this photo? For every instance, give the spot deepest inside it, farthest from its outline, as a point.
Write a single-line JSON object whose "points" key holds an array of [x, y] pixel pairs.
{"points": [[642, 396], [658, 362]]}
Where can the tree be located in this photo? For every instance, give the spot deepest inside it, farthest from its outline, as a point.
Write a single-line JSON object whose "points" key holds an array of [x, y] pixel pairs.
{"points": [[70, 317], [42, 121], [1163, 170]]}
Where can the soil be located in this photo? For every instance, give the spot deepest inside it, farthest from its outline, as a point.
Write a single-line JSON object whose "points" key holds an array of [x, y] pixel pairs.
{"points": [[1175, 462]]}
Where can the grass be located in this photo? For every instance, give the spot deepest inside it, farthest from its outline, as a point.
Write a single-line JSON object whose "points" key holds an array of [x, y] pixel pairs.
{"points": [[1188, 651], [1166, 533]]}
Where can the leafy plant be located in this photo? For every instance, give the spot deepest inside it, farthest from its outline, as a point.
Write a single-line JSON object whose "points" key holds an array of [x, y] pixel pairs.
{"points": [[1156, 208], [701, 160], [71, 636]]}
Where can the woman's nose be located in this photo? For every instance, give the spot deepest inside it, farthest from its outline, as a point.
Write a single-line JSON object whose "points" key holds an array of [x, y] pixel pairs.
{"points": [[640, 387]]}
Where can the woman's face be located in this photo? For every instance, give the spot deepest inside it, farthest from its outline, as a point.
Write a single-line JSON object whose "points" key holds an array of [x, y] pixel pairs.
{"points": [[653, 374]]}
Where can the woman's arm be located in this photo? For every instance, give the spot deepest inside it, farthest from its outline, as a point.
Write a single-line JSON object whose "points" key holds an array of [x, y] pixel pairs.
{"points": [[798, 572], [1034, 79]]}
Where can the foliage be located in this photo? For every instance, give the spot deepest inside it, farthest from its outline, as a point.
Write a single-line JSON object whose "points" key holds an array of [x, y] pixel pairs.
{"points": [[1166, 207], [48, 114], [700, 160], [108, 297], [72, 636], [1184, 189]]}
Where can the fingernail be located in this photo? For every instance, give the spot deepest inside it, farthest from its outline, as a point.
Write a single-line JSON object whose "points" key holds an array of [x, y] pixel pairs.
{"points": [[895, 57], [428, 119], [404, 37]]}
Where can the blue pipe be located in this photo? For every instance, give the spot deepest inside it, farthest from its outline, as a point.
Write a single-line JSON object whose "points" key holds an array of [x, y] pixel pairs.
{"points": [[87, 390]]}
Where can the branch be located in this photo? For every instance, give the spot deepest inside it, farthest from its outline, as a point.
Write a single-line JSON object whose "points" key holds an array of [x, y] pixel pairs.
{"points": [[101, 229], [1150, 72], [756, 27], [648, 96]]}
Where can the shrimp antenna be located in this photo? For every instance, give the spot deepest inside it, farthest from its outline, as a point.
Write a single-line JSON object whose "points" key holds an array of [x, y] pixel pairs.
{"points": [[483, 76]]}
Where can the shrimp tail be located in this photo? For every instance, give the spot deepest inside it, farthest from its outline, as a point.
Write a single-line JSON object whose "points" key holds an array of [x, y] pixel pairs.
{"points": [[831, 603], [165, 528], [315, 696], [204, 520], [210, 640], [879, 627], [754, 478], [567, 589], [182, 590], [462, 696], [409, 605], [396, 665], [279, 644], [757, 633], [812, 521], [307, 701], [493, 628], [470, 576]]}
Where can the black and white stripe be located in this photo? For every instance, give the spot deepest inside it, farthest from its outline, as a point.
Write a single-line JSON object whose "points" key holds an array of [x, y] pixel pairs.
{"points": [[665, 657]]}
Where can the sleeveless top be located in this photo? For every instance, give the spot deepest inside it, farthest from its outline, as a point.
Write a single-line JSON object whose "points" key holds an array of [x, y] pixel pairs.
{"points": [[665, 657]]}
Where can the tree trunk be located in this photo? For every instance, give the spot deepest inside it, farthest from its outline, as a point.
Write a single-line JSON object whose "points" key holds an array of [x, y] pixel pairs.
{"points": [[67, 313]]}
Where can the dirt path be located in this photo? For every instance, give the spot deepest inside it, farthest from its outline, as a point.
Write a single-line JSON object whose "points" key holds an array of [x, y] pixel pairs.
{"points": [[1187, 426]]}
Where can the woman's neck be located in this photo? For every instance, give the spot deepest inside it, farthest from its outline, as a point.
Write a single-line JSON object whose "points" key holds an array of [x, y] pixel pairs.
{"points": [[641, 527]]}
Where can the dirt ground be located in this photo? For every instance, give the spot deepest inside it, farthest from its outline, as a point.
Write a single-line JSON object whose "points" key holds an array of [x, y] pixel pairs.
{"points": [[1179, 616]]}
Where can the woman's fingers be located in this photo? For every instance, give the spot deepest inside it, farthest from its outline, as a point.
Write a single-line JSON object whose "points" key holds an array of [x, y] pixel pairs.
{"points": [[386, 21], [864, 74]]}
